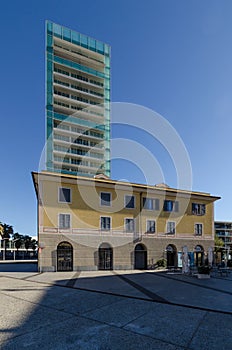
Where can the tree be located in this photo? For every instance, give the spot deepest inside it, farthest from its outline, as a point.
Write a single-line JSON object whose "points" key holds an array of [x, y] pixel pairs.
{"points": [[17, 241], [34, 244], [18, 244], [6, 231], [27, 242], [218, 247], [218, 244]]}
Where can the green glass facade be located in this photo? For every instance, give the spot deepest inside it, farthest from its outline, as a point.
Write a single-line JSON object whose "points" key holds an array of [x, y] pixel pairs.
{"points": [[77, 102]]}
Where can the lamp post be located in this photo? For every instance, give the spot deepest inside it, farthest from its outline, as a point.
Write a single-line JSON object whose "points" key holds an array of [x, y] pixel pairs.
{"points": [[1, 234], [227, 248], [4, 249]]}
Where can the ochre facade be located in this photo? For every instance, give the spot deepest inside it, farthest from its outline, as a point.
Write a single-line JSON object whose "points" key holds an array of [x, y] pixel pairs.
{"points": [[92, 234]]}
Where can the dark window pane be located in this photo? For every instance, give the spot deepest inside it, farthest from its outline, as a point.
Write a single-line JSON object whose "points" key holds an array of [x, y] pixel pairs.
{"points": [[168, 205], [171, 206], [198, 209], [64, 195], [198, 229], [129, 202], [105, 198], [171, 227], [151, 226]]}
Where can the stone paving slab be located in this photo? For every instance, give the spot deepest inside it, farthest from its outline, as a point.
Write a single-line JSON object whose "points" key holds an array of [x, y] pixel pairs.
{"points": [[48, 311], [219, 283], [214, 293], [101, 281], [34, 325], [60, 278], [65, 299], [187, 292], [107, 283], [16, 312], [120, 313], [83, 334], [214, 333], [18, 274], [40, 315], [175, 322]]}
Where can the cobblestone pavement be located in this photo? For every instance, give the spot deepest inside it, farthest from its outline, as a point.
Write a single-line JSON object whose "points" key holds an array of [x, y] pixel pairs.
{"points": [[114, 310]]}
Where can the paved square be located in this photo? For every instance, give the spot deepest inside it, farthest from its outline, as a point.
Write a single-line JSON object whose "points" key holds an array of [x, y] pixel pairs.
{"points": [[114, 310]]}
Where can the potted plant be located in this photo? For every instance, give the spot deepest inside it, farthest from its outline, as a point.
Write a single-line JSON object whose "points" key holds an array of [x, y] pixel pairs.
{"points": [[203, 272]]}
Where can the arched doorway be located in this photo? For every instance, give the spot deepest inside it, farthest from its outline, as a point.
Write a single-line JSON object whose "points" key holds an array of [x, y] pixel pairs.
{"points": [[171, 256], [64, 257], [199, 255], [105, 257], [140, 257]]}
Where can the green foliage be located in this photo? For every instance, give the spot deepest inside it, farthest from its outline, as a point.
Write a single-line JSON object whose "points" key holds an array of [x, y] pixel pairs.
{"points": [[34, 244], [218, 243], [7, 233], [27, 242], [161, 262], [18, 244], [18, 239]]}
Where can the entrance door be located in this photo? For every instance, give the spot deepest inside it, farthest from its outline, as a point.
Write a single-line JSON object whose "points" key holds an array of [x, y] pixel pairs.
{"points": [[199, 255], [105, 258], [64, 257], [140, 257], [199, 258], [171, 256]]}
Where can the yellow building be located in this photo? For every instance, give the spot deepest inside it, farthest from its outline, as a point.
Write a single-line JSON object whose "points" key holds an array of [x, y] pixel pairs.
{"points": [[97, 223]]}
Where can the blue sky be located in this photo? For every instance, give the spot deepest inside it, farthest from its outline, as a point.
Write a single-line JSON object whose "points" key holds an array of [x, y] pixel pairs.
{"points": [[174, 57]]}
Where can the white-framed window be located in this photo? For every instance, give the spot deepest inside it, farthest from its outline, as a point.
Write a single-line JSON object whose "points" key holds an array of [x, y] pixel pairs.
{"points": [[105, 199], [150, 226], [129, 225], [64, 195], [64, 221], [171, 227], [151, 203], [171, 206], [129, 202], [105, 223], [198, 209], [198, 229]]}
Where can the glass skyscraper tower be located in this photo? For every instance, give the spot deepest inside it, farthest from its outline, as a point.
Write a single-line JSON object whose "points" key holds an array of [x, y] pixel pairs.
{"points": [[77, 103]]}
